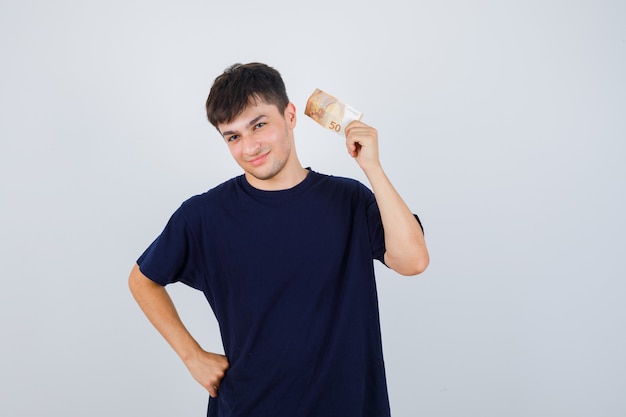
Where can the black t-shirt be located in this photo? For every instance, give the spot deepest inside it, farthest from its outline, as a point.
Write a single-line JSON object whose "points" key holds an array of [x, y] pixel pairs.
{"points": [[290, 277]]}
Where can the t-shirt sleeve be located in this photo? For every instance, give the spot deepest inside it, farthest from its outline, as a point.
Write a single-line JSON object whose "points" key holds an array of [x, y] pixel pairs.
{"points": [[172, 257], [375, 226]]}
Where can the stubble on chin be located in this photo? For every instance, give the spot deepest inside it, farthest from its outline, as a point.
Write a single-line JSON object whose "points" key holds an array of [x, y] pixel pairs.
{"points": [[268, 174]]}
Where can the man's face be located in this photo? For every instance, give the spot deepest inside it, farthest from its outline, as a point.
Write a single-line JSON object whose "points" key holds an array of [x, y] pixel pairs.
{"points": [[260, 140]]}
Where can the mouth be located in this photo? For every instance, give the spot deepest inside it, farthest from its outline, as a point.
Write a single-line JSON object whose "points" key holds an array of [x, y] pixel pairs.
{"points": [[258, 160]]}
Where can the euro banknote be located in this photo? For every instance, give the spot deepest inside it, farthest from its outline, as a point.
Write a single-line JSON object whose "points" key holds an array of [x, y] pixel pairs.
{"points": [[330, 112]]}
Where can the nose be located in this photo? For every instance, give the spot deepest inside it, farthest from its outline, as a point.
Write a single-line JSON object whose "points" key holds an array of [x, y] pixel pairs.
{"points": [[251, 146]]}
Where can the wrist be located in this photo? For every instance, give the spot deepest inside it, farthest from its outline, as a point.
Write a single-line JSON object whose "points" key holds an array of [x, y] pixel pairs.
{"points": [[190, 351], [373, 171]]}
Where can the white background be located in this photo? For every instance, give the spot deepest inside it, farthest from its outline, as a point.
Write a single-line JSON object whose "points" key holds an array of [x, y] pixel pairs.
{"points": [[502, 123]]}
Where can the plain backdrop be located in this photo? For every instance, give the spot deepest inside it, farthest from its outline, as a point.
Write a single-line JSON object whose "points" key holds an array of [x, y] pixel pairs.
{"points": [[501, 123]]}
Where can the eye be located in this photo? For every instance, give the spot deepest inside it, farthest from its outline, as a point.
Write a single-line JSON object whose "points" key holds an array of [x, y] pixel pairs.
{"points": [[232, 138], [259, 125]]}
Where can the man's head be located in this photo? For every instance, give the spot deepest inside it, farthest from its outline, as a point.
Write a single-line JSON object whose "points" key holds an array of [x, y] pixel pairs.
{"points": [[241, 85]]}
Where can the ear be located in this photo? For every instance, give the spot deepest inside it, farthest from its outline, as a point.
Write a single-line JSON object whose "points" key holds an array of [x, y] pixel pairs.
{"points": [[290, 115]]}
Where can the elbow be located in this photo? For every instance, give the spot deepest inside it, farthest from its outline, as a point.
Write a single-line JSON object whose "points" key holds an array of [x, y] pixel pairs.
{"points": [[132, 281], [414, 269], [412, 266], [136, 281]]}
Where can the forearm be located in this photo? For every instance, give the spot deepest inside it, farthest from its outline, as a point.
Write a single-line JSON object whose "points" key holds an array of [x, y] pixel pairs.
{"points": [[158, 307], [207, 368], [406, 251]]}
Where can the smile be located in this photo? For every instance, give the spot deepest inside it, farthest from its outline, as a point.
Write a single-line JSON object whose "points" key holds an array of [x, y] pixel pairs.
{"points": [[258, 160]]}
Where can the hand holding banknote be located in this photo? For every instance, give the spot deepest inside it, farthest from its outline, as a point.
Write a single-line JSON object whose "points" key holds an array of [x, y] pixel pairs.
{"points": [[330, 112], [362, 145], [333, 114]]}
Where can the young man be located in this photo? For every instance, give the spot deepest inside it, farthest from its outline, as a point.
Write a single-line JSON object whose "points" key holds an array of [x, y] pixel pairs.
{"points": [[284, 256]]}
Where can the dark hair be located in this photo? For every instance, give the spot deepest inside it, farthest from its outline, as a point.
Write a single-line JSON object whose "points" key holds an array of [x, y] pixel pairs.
{"points": [[241, 85]]}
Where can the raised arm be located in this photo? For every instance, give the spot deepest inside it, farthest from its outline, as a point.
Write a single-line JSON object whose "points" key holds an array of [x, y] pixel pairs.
{"points": [[207, 368], [406, 251]]}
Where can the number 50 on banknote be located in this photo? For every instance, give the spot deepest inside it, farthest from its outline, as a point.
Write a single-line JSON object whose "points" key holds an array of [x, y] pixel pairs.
{"points": [[330, 112]]}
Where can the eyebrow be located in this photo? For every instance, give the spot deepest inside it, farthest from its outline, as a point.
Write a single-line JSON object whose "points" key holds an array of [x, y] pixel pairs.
{"points": [[250, 123]]}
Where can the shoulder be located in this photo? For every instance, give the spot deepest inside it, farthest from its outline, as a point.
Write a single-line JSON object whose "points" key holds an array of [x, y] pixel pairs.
{"points": [[337, 181], [213, 198], [342, 184], [338, 189]]}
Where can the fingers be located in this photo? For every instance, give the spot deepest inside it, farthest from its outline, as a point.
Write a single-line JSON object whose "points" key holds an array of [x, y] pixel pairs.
{"points": [[217, 374], [209, 369], [356, 128], [362, 143], [213, 390], [213, 386], [359, 132]]}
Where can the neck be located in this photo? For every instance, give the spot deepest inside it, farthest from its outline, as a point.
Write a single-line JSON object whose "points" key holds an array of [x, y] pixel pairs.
{"points": [[288, 178]]}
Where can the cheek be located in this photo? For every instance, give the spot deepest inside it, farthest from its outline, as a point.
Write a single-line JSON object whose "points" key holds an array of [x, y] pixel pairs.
{"points": [[234, 150]]}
